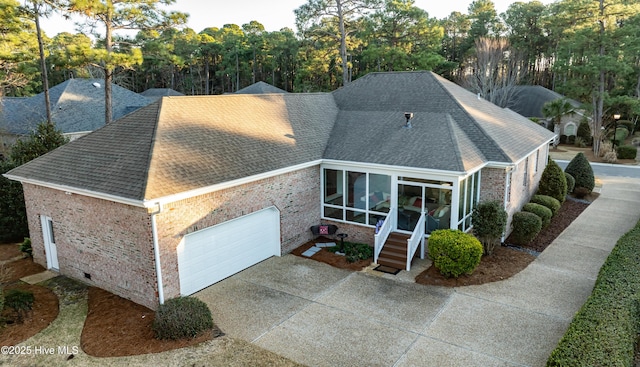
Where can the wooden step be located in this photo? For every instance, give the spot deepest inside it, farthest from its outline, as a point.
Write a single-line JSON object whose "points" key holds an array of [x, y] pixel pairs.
{"points": [[394, 251], [393, 263]]}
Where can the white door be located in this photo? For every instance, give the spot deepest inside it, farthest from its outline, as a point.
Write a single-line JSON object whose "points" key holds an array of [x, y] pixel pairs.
{"points": [[49, 242], [212, 254]]}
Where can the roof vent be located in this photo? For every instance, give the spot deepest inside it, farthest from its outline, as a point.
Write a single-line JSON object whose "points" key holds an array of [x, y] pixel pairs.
{"points": [[408, 116]]}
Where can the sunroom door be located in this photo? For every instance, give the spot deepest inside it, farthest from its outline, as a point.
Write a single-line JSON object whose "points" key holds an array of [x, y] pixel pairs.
{"points": [[410, 206]]}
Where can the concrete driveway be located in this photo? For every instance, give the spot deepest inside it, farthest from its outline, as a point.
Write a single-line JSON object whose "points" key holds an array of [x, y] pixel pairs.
{"points": [[318, 315]]}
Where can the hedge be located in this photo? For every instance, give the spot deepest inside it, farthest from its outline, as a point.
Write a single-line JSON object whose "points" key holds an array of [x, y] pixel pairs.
{"points": [[581, 170], [454, 252], [604, 331], [553, 182], [627, 152], [526, 227]]}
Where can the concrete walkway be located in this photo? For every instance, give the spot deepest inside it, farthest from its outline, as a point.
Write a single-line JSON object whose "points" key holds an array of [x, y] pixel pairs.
{"points": [[321, 316]]}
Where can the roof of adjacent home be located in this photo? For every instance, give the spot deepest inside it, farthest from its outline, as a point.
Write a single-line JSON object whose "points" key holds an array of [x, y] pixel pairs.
{"points": [[77, 105], [179, 144], [260, 88], [156, 93], [528, 100]]}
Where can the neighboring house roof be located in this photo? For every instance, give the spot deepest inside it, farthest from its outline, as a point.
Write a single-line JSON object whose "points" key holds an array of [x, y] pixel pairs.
{"points": [[180, 144], [157, 93], [77, 105], [260, 88], [528, 100]]}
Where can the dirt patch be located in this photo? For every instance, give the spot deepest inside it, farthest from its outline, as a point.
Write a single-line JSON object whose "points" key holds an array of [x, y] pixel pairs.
{"points": [[9, 251], [329, 257], [117, 327]]}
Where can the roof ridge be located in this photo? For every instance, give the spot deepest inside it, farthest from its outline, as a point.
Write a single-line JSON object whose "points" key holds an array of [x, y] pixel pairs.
{"points": [[152, 146], [504, 154]]}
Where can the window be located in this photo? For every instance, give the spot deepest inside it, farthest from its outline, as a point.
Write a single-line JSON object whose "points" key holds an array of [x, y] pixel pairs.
{"points": [[357, 197], [525, 181], [570, 129], [469, 194], [537, 161], [507, 188]]}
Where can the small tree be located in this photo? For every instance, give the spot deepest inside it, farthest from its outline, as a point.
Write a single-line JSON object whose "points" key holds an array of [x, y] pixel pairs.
{"points": [[553, 182], [13, 215], [581, 170], [584, 131], [489, 222]]}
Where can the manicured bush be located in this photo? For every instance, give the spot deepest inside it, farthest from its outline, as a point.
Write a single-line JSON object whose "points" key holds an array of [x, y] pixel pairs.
{"points": [[571, 182], [526, 227], [548, 201], [540, 210], [489, 220], [604, 332], [25, 247], [627, 152], [454, 252], [571, 139], [183, 317], [581, 170], [627, 125], [20, 301], [553, 182], [584, 131]]}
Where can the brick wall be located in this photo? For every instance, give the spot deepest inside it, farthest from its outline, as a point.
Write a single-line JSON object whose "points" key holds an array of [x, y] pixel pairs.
{"points": [[112, 242], [295, 194], [493, 183]]}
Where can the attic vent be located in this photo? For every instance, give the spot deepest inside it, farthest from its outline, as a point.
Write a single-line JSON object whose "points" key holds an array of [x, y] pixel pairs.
{"points": [[96, 85], [408, 116]]}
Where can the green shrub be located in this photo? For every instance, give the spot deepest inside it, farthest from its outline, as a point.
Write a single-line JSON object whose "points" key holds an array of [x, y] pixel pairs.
{"points": [[454, 252], [183, 317], [584, 131], [25, 247], [489, 220], [579, 142], [357, 251], [571, 139], [571, 182], [604, 332], [563, 139], [621, 134], [553, 182], [629, 125], [20, 301], [581, 192], [548, 201], [540, 210], [627, 152], [526, 227], [581, 170]]}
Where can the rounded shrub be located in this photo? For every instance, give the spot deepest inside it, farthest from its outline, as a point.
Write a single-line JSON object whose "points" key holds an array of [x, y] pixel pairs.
{"points": [[548, 201], [553, 182], [621, 134], [629, 125], [454, 252], [540, 210], [571, 182], [581, 170], [183, 317], [526, 227], [489, 221], [627, 152]]}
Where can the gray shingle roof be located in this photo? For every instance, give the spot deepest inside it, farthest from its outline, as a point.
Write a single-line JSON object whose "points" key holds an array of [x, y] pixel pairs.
{"points": [[260, 88], [185, 143], [157, 93], [528, 100], [452, 129], [77, 105]]}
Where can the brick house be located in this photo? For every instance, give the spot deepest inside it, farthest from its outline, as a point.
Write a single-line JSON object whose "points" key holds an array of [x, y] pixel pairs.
{"points": [[189, 190]]}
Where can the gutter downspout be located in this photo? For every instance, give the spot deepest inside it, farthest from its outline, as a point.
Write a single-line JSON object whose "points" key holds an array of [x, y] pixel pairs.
{"points": [[156, 252]]}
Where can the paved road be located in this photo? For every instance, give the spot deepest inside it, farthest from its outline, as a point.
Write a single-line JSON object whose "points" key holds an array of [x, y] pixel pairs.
{"points": [[609, 170]]}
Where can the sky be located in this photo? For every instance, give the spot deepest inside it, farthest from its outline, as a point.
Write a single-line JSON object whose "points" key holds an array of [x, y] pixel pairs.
{"points": [[274, 15]]}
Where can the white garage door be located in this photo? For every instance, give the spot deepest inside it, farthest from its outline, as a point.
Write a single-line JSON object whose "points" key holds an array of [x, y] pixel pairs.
{"points": [[212, 254]]}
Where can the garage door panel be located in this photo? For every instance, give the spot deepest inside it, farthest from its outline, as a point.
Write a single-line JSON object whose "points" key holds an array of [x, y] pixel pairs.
{"points": [[215, 253]]}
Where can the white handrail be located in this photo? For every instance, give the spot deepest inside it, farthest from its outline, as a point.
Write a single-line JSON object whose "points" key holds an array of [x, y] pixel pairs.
{"points": [[417, 237], [384, 232]]}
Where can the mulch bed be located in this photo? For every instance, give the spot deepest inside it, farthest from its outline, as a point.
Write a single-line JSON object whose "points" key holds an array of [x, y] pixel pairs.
{"points": [[568, 212], [329, 257], [117, 327], [45, 310]]}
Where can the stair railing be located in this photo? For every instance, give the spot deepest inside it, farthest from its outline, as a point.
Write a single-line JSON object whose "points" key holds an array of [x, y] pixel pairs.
{"points": [[383, 233], [417, 238]]}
